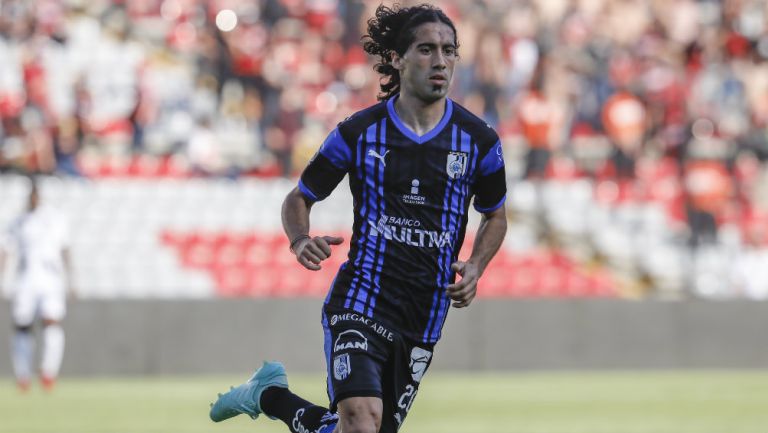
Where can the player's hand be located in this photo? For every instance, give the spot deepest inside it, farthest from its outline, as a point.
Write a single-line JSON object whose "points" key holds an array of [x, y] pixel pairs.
{"points": [[462, 292], [311, 251]]}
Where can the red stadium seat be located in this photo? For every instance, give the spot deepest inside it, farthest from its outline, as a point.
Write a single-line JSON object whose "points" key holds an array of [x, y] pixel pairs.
{"points": [[260, 264]]}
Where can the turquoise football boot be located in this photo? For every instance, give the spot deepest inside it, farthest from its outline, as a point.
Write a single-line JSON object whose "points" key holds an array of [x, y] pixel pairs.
{"points": [[245, 398]]}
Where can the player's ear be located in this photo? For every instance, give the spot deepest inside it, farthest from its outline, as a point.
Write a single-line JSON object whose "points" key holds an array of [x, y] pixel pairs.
{"points": [[397, 61]]}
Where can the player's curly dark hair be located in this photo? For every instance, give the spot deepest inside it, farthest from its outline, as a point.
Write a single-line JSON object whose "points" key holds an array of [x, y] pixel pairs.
{"points": [[392, 30]]}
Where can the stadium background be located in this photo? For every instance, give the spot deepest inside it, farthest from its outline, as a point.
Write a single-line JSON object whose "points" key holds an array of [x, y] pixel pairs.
{"points": [[168, 132]]}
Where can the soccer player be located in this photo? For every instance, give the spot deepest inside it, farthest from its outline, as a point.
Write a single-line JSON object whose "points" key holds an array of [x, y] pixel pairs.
{"points": [[38, 238], [414, 162]]}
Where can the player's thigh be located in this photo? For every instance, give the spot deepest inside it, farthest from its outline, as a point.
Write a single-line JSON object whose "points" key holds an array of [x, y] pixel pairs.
{"points": [[360, 414], [353, 374], [357, 350]]}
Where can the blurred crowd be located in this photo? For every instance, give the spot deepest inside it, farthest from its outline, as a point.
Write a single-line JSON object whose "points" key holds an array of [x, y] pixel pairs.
{"points": [[648, 101]]}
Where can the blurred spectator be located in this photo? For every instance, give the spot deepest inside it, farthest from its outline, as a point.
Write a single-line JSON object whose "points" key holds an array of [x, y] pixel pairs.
{"points": [[624, 121], [708, 189]]}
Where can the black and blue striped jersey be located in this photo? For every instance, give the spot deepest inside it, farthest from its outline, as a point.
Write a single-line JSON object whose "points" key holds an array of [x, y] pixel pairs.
{"points": [[411, 196]]}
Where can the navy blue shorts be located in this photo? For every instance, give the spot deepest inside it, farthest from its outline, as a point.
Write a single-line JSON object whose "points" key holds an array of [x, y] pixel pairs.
{"points": [[370, 359]]}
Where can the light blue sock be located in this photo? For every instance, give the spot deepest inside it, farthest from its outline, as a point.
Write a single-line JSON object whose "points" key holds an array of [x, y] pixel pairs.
{"points": [[22, 349]]}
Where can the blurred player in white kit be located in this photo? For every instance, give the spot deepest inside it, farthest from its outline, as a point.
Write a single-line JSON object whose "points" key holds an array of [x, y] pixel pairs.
{"points": [[38, 241]]}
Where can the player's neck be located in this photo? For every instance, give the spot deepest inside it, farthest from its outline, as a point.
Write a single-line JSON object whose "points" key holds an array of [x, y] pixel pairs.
{"points": [[421, 117]]}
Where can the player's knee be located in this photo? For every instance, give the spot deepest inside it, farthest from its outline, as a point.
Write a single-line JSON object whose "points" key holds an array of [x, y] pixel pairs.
{"points": [[50, 322], [363, 418], [360, 422]]}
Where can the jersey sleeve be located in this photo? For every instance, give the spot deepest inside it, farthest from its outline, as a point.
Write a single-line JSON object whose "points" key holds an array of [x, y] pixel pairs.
{"points": [[327, 168], [491, 184]]}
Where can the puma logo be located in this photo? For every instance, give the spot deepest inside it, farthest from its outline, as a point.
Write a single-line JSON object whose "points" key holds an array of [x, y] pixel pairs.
{"points": [[373, 153]]}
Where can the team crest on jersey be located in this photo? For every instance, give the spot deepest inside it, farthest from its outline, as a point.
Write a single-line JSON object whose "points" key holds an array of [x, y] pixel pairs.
{"points": [[456, 165], [341, 366]]}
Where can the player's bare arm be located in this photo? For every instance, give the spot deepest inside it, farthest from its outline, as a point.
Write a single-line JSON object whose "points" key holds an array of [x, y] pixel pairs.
{"points": [[309, 251], [490, 235]]}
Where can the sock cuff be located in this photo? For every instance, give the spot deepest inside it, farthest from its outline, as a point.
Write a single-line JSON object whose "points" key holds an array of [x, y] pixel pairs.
{"points": [[328, 428]]}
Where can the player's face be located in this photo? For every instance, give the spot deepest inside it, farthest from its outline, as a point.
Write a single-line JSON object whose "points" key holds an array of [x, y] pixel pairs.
{"points": [[426, 69]]}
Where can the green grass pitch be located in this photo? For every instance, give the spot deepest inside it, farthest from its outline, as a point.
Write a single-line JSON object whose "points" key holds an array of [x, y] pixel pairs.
{"points": [[535, 402]]}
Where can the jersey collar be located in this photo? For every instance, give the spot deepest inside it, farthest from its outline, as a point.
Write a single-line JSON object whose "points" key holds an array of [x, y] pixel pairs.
{"points": [[408, 132]]}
